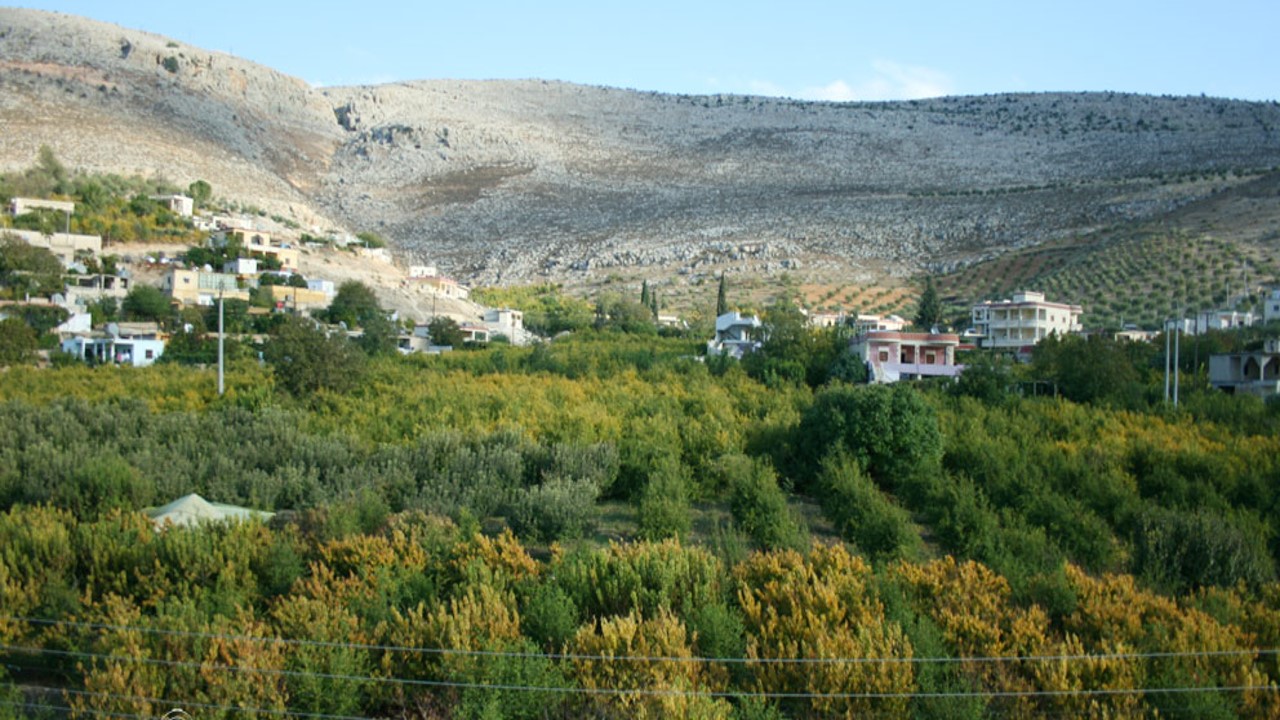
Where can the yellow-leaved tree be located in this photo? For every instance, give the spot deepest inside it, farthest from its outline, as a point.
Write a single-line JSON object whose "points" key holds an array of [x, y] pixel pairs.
{"points": [[819, 608]]}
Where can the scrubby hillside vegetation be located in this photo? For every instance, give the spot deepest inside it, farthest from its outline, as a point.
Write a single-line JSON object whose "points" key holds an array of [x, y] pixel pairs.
{"points": [[605, 525]]}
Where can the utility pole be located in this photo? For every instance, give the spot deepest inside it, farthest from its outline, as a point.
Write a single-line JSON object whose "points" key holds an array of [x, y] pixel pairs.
{"points": [[1168, 328], [221, 353]]}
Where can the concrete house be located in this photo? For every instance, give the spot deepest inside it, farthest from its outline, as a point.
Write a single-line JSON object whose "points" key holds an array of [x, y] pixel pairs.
{"points": [[1251, 373], [1023, 321], [64, 245], [508, 323], [1271, 306], [893, 355], [196, 287], [136, 344], [260, 244], [736, 335], [177, 204]]}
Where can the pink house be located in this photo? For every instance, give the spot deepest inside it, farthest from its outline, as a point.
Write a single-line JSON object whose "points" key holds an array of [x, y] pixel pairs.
{"points": [[892, 355]]}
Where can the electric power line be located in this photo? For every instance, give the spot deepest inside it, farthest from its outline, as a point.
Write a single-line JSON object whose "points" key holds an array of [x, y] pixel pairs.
{"points": [[651, 692], [184, 704], [1084, 657]]}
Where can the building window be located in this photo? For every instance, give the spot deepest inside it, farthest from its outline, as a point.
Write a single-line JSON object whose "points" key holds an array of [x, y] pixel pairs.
{"points": [[150, 354], [929, 359], [884, 356]]}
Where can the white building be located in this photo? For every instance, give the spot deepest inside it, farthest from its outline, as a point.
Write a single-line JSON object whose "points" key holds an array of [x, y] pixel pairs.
{"points": [[1221, 320], [863, 322], [1271, 306], [136, 344], [241, 266], [508, 323], [1023, 321], [177, 204], [892, 355], [736, 335], [22, 206]]}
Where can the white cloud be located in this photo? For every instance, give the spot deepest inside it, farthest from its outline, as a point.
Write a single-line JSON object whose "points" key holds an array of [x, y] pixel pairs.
{"points": [[887, 81], [838, 91]]}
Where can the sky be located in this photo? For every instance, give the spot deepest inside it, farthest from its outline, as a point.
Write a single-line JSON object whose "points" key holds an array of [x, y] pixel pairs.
{"points": [[851, 50]]}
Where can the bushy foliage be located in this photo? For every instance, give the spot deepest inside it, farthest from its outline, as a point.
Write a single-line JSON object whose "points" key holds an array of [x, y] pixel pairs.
{"points": [[862, 513], [759, 505], [889, 429], [306, 359]]}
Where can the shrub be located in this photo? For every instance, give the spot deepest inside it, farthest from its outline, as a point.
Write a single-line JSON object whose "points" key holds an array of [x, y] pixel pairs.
{"points": [[759, 505], [889, 429], [664, 503], [862, 514], [558, 509]]}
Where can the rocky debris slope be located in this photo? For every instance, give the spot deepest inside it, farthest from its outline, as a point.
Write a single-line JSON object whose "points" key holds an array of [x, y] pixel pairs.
{"points": [[512, 181]]}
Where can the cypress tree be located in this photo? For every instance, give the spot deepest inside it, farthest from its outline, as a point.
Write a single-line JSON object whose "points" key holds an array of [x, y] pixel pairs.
{"points": [[722, 305], [929, 312]]}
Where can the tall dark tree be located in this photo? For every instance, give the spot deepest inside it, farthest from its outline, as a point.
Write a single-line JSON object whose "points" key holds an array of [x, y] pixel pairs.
{"points": [[353, 304], [929, 312], [722, 304], [17, 342], [444, 331], [645, 298], [146, 302], [305, 359], [201, 192]]}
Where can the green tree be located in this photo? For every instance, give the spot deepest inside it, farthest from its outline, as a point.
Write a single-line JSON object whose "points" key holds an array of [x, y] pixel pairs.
{"points": [[444, 331], [48, 166], [18, 342], [625, 314], [305, 359], [986, 377], [889, 429], [379, 336], [28, 270], [353, 304], [371, 239], [1095, 369], [201, 192], [929, 311], [104, 310], [722, 304], [146, 302]]}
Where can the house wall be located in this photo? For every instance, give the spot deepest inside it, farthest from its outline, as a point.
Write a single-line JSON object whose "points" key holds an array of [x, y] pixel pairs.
{"points": [[64, 245]]}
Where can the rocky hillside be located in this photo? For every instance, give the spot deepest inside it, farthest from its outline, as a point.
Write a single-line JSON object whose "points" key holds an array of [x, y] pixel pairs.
{"points": [[519, 181]]}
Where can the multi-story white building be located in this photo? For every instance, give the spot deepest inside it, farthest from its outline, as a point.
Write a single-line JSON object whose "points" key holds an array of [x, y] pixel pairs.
{"points": [[1023, 321], [736, 335]]}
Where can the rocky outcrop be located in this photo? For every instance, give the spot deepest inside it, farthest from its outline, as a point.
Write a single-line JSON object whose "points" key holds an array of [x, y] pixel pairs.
{"points": [[512, 181]]}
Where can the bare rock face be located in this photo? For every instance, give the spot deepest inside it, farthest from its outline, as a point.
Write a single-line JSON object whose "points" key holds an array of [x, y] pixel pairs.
{"points": [[513, 181]]}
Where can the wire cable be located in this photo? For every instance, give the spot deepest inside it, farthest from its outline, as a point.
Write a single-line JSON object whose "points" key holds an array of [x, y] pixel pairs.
{"points": [[1084, 657], [66, 708], [184, 704], [659, 692]]}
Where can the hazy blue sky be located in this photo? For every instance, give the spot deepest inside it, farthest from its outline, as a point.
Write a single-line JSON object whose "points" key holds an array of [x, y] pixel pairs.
{"points": [[803, 48]]}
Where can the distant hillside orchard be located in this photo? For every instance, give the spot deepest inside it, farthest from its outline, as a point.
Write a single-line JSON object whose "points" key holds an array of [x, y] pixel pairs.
{"points": [[606, 525]]}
